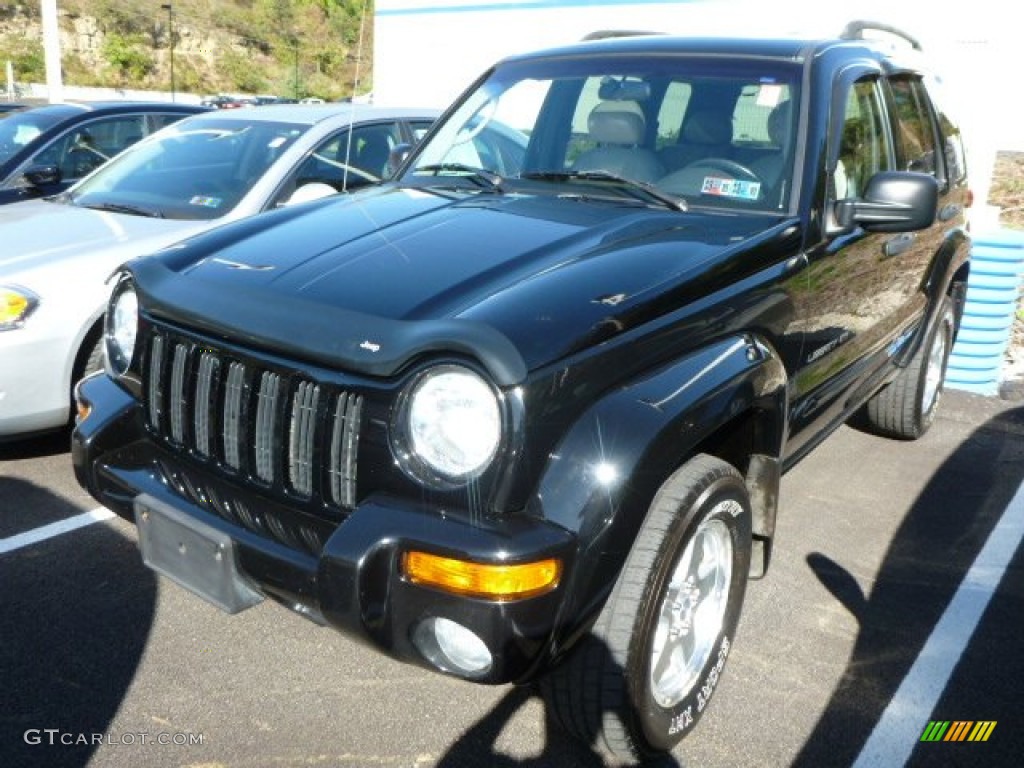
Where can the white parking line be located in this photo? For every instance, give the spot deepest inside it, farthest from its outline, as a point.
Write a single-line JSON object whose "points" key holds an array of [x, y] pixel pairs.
{"points": [[36, 535], [901, 725]]}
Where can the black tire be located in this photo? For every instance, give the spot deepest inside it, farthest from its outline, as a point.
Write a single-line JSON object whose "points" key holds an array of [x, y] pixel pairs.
{"points": [[90, 360], [605, 692], [905, 408]]}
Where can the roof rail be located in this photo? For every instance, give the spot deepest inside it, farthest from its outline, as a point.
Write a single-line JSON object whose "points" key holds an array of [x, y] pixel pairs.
{"points": [[855, 31]]}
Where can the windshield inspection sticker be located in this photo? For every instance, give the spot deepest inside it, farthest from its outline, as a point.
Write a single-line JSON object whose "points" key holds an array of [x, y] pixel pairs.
{"points": [[206, 202], [745, 190]]}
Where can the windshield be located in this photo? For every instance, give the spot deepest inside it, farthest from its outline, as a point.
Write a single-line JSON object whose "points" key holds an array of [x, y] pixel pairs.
{"points": [[705, 131], [19, 129], [197, 169]]}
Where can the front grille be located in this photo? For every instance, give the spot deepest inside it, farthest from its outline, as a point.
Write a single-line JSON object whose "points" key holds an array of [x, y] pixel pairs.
{"points": [[275, 428]]}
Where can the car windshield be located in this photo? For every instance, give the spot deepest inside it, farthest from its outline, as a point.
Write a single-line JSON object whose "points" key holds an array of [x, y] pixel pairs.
{"points": [[197, 169], [707, 132], [19, 129]]}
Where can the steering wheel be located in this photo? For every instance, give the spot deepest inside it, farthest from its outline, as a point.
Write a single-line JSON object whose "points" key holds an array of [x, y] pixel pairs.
{"points": [[724, 164], [690, 180]]}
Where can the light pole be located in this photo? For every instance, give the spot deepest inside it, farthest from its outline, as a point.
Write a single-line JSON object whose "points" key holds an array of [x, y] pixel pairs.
{"points": [[295, 42], [170, 40]]}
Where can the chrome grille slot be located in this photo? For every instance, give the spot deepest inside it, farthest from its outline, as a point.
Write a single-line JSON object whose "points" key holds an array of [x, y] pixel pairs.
{"points": [[344, 434], [179, 397], [155, 391], [205, 405], [266, 425], [301, 437], [234, 399]]}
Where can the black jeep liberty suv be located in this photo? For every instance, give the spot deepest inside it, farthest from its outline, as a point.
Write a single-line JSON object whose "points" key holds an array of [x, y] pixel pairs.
{"points": [[520, 413]]}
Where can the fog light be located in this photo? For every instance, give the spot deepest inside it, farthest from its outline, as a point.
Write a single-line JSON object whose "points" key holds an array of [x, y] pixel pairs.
{"points": [[452, 647]]}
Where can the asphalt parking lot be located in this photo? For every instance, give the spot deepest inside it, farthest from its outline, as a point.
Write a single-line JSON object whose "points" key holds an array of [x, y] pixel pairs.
{"points": [[895, 598]]}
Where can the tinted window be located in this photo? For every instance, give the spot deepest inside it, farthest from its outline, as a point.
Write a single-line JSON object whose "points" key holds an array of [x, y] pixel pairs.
{"points": [[863, 141], [17, 130], [89, 145], [915, 126], [350, 159]]}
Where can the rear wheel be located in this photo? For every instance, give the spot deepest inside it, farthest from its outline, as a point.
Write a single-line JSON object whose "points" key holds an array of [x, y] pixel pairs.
{"points": [[643, 677], [906, 407]]}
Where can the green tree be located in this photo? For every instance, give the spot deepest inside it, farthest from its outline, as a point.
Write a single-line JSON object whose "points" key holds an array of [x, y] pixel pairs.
{"points": [[127, 57]]}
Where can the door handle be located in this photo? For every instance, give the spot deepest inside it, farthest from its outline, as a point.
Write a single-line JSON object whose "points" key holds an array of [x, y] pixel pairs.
{"points": [[897, 245], [948, 212]]}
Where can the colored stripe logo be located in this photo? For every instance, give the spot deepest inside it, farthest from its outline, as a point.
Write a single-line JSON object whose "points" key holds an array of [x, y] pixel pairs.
{"points": [[958, 730]]}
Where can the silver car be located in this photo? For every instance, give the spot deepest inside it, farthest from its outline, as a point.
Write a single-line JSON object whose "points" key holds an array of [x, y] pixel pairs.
{"points": [[202, 172]]}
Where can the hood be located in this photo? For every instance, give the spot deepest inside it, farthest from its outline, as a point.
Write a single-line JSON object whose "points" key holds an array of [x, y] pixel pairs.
{"points": [[38, 234], [372, 280]]}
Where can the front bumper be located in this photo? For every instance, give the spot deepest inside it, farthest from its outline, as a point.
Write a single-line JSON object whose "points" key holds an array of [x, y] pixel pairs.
{"points": [[344, 573]]}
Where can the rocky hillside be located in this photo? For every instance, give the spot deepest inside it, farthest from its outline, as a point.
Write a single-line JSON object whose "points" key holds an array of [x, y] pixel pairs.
{"points": [[286, 47]]}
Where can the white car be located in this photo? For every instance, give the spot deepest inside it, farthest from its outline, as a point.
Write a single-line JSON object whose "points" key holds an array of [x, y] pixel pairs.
{"points": [[204, 171]]}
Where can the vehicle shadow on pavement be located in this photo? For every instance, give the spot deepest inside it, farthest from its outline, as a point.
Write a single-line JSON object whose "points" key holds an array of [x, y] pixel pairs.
{"points": [[927, 559], [477, 746], [76, 614], [49, 444]]}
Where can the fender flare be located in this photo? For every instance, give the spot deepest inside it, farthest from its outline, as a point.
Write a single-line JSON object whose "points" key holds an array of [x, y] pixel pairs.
{"points": [[602, 476]]}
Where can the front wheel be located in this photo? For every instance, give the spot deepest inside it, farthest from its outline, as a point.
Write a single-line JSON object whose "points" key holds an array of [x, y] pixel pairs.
{"points": [[643, 677]]}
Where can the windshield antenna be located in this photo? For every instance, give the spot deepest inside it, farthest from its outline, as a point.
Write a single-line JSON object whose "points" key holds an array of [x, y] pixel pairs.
{"points": [[352, 99]]}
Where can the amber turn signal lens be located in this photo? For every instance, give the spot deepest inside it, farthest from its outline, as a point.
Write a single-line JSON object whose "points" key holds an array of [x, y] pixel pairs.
{"points": [[492, 582], [84, 409]]}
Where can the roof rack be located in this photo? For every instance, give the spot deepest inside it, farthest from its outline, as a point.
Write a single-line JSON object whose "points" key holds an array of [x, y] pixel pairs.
{"points": [[855, 31]]}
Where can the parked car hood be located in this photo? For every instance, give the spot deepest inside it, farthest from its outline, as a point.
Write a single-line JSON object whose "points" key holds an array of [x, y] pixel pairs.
{"points": [[38, 233], [370, 281]]}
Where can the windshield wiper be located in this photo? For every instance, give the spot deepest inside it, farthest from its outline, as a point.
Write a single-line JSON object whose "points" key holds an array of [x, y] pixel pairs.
{"points": [[479, 176], [637, 189], [133, 210]]}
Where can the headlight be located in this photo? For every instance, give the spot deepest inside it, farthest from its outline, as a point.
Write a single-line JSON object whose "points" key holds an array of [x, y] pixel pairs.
{"points": [[16, 304], [122, 325], [449, 425]]}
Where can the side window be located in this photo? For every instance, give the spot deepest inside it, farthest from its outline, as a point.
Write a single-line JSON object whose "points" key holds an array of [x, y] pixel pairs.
{"points": [[345, 161], [753, 123], [86, 147], [161, 120], [419, 129], [371, 146], [863, 142], [915, 126], [670, 114]]}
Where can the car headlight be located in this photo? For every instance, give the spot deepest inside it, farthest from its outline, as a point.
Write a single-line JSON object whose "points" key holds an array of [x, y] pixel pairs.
{"points": [[16, 303], [122, 327], [449, 425]]}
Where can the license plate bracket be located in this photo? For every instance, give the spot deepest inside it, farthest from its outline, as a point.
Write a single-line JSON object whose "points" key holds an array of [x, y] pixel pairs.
{"points": [[192, 554]]}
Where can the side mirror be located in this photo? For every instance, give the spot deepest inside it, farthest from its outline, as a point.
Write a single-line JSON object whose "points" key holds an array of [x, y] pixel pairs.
{"points": [[396, 157], [42, 175], [894, 201]]}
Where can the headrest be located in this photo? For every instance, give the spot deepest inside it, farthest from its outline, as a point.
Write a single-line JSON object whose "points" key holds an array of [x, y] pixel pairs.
{"points": [[614, 122], [708, 128]]}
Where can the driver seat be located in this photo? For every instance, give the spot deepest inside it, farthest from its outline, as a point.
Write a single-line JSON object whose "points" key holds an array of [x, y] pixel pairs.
{"points": [[706, 133], [619, 130]]}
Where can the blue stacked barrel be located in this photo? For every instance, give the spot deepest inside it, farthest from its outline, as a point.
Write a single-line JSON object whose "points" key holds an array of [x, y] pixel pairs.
{"points": [[997, 264]]}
